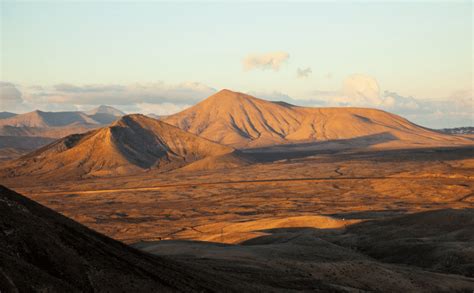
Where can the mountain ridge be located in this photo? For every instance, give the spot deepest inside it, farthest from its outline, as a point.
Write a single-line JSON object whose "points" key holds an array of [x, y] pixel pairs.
{"points": [[244, 121], [44, 120], [135, 143]]}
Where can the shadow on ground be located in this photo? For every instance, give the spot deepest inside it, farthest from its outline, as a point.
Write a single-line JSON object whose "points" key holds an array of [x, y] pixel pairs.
{"points": [[358, 148], [427, 251]]}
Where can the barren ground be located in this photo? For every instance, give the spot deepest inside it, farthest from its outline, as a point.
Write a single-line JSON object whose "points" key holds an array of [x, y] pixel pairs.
{"points": [[201, 205]]}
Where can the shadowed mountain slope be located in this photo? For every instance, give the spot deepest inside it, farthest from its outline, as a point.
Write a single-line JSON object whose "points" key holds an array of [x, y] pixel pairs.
{"points": [[104, 109], [16, 146], [241, 120], [4, 115], [132, 144], [105, 114], [43, 251]]}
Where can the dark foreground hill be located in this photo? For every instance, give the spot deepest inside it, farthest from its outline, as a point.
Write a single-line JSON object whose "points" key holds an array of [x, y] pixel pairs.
{"points": [[43, 251]]}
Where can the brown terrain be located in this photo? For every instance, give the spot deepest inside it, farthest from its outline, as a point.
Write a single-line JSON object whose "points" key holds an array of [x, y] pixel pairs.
{"points": [[341, 200]]}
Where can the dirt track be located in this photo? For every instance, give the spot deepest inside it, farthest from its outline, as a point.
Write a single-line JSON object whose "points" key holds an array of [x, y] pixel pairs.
{"points": [[262, 181]]}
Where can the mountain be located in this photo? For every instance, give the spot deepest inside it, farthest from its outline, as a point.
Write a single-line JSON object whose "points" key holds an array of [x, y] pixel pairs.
{"points": [[40, 119], [57, 124], [47, 124], [103, 109], [105, 114], [243, 121], [4, 115], [43, 251], [132, 144]]}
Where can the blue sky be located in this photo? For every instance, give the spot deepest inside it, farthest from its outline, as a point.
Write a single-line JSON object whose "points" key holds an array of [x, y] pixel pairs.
{"points": [[420, 51]]}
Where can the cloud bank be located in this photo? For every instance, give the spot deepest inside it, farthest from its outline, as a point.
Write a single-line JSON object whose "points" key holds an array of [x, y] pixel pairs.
{"points": [[361, 90], [158, 98], [265, 61]]}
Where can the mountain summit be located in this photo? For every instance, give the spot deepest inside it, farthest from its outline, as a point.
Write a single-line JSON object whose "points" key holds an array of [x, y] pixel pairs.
{"points": [[105, 114], [240, 120], [103, 109]]}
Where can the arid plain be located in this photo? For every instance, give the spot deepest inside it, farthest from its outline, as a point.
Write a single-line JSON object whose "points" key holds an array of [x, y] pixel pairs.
{"points": [[180, 204]]}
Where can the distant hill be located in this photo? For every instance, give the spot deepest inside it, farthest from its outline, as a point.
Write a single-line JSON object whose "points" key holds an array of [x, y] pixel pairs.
{"points": [[39, 125], [4, 115], [243, 121], [132, 144], [103, 109], [47, 120], [105, 114], [458, 130], [16, 146]]}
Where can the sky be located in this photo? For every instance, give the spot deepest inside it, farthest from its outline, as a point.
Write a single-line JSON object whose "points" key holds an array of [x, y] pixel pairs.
{"points": [[411, 58]]}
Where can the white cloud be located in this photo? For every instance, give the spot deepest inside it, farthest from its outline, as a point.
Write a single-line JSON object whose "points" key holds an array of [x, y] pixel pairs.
{"points": [[270, 95], [364, 91], [303, 73], [393, 100], [464, 98], [264, 61], [10, 97], [157, 92], [359, 89], [455, 110], [161, 109], [277, 96]]}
